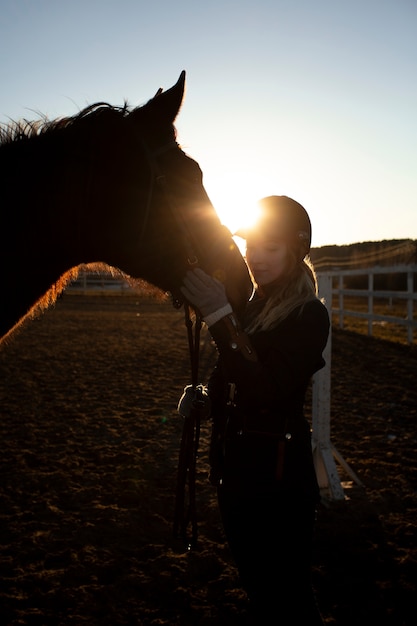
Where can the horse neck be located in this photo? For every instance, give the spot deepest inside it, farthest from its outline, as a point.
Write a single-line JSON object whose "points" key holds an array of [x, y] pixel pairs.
{"points": [[40, 225]]}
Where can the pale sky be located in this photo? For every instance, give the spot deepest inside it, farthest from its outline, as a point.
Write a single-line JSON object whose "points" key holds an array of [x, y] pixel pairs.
{"points": [[312, 99]]}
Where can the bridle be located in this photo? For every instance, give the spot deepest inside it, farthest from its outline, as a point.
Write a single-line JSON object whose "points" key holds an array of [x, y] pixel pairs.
{"points": [[158, 179], [185, 504]]}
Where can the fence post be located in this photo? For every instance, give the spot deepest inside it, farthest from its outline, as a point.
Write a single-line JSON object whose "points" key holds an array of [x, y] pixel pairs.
{"points": [[326, 471], [324, 452]]}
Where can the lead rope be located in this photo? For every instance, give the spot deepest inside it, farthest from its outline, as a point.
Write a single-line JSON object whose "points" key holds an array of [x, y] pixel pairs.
{"points": [[189, 446]]}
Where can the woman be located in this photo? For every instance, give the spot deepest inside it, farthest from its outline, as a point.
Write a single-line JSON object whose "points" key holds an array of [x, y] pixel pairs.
{"points": [[261, 458]]}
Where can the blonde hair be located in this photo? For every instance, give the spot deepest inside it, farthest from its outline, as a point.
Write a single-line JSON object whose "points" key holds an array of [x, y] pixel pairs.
{"points": [[299, 287]]}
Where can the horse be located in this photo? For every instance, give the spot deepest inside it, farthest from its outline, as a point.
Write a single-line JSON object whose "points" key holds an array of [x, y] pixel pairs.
{"points": [[111, 188]]}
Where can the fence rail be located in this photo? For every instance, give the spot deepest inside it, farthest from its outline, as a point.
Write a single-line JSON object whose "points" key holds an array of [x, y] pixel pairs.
{"points": [[95, 283], [369, 295]]}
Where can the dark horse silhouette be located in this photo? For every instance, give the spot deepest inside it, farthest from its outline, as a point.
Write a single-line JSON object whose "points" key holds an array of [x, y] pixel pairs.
{"points": [[111, 186]]}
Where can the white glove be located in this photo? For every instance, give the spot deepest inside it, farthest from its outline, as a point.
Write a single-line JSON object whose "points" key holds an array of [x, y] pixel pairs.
{"points": [[197, 399], [207, 294]]}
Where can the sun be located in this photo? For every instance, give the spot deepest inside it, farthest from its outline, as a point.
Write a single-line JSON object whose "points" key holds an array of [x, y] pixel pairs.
{"points": [[235, 197]]}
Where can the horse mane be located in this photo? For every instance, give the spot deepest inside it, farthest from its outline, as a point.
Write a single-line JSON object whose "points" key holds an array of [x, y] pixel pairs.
{"points": [[24, 129]]}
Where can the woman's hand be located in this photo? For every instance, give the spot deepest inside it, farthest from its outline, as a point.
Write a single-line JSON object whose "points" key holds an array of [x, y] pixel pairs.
{"points": [[207, 294]]}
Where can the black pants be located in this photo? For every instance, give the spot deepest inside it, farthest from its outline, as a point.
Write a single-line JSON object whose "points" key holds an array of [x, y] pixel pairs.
{"points": [[270, 537]]}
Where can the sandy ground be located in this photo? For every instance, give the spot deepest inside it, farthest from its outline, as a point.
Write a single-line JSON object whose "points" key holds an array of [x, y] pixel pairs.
{"points": [[89, 452]]}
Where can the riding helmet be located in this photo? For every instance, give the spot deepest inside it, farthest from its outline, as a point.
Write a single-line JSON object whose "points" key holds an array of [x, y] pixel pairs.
{"points": [[282, 217]]}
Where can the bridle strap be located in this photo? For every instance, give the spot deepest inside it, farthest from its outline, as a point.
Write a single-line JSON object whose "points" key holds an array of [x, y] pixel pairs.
{"points": [[184, 515], [158, 177], [156, 174]]}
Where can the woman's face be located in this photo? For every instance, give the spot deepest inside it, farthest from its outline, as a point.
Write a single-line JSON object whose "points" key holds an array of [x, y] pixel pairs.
{"points": [[267, 259]]}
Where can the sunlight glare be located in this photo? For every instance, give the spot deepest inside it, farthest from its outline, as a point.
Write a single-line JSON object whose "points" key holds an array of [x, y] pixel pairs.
{"points": [[236, 198]]}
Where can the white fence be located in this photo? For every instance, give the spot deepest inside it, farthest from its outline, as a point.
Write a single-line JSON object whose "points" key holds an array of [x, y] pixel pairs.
{"points": [[96, 283], [324, 452], [370, 294]]}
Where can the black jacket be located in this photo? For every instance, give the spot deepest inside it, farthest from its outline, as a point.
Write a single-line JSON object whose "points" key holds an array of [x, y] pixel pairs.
{"points": [[261, 439]]}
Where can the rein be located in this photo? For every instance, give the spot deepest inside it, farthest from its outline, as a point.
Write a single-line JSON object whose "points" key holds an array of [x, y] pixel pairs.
{"points": [[185, 503]]}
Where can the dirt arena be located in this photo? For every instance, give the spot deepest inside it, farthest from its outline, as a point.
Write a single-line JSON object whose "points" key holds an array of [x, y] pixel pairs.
{"points": [[89, 451]]}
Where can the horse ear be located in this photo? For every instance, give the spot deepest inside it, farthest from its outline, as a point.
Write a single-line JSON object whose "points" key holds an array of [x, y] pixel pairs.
{"points": [[168, 102]]}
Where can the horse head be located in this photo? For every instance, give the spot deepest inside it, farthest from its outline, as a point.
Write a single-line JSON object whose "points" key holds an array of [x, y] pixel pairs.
{"points": [[180, 228]]}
